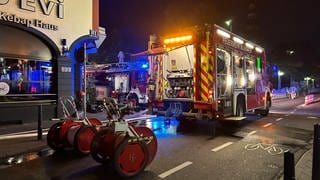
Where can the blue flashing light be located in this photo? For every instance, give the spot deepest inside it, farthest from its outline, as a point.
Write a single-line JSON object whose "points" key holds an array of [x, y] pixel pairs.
{"points": [[275, 69], [145, 66]]}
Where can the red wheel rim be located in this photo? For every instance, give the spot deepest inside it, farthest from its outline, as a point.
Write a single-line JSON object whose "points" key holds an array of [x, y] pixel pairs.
{"points": [[53, 139], [152, 144], [102, 145], [95, 121], [131, 158], [84, 139], [66, 125]]}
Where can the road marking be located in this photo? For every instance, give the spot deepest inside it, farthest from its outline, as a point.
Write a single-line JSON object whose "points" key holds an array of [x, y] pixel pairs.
{"points": [[175, 169], [252, 132], [15, 136], [221, 147], [279, 119], [287, 115], [267, 125], [312, 117], [24, 132]]}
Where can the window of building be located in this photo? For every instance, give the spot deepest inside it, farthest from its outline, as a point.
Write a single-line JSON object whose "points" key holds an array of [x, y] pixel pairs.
{"points": [[26, 77]]}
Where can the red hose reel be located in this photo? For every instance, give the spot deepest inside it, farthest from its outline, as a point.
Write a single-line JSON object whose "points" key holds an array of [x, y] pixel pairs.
{"points": [[129, 148]]}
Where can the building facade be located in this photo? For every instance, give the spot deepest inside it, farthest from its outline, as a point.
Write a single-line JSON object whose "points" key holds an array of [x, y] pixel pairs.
{"points": [[42, 44]]}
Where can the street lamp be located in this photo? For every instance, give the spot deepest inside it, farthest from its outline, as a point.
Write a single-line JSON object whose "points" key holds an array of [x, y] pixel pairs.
{"points": [[280, 73], [229, 24]]}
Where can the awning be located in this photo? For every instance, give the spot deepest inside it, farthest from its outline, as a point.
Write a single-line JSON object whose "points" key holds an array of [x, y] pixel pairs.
{"points": [[16, 43]]}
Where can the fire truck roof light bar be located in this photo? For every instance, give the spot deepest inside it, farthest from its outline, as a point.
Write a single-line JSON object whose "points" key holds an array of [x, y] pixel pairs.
{"points": [[238, 40], [223, 33], [259, 50], [250, 46], [178, 39]]}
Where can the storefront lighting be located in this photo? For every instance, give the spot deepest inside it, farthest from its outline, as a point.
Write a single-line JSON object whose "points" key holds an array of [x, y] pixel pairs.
{"points": [[250, 46], [222, 33], [238, 40], [259, 50]]}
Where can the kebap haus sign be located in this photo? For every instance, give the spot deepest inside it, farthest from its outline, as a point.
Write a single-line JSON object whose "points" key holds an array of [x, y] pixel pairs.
{"points": [[44, 6]]}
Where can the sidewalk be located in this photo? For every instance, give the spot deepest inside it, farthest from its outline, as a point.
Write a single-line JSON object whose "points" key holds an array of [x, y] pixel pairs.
{"points": [[304, 166], [22, 138]]}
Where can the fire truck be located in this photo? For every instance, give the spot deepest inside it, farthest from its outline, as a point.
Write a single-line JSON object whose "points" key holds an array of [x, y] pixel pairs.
{"points": [[207, 73], [124, 81]]}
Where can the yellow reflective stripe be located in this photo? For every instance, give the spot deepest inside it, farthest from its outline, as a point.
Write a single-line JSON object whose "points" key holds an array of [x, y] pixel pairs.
{"points": [[204, 97], [210, 77], [204, 88]]}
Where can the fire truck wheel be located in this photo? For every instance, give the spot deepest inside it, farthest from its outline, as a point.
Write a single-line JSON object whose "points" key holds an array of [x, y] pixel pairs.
{"points": [[240, 108], [83, 139], [96, 149], [131, 157], [53, 137], [265, 111]]}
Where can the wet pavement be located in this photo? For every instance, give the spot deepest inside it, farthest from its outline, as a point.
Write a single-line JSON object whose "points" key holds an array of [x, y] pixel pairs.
{"points": [[176, 144]]}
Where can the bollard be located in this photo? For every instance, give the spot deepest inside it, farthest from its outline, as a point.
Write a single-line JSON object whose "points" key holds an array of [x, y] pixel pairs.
{"points": [[289, 173], [40, 122], [316, 154]]}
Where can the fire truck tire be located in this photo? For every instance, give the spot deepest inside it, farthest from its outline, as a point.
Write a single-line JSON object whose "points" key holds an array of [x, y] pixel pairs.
{"points": [[83, 139], [240, 108], [131, 157], [53, 137], [265, 111], [96, 148]]}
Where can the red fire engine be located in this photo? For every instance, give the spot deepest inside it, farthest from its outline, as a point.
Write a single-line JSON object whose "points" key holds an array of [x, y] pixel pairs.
{"points": [[125, 81], [208, 72]]}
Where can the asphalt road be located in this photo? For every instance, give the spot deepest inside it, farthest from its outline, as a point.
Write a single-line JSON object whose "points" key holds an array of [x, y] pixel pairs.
{"points": [[251, 149]]}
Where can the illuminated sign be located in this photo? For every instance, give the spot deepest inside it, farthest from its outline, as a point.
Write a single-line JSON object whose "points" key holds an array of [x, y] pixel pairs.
{"points": [[46, 6], [4, 16], [233, 44]]}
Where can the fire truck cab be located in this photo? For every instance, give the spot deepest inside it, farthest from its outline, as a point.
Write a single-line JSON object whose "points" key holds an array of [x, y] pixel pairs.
{"points": [[126, 82], [208, 72]]}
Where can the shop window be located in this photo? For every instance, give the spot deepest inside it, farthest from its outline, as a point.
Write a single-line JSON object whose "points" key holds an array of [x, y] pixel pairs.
{"points": [[26, 77]]}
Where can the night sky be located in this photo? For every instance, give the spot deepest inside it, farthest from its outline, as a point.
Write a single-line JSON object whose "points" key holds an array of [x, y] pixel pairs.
{"points": [[279, 25]]}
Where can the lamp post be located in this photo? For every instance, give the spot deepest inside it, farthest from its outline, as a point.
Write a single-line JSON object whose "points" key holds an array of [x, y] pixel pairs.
{"points": [[229, 24], [280, 73]]}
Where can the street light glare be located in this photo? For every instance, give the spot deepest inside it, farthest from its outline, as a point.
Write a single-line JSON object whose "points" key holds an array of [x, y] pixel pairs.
{"points": [[228, 22], [280, 73]]}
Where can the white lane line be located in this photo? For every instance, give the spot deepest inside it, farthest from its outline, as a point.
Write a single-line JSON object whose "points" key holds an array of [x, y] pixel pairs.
{"points": [[312, 117], [252, 132], [222, 146], [279, 119], [286, 115], [267, 125], [175, 169], [21, 136], [24, 132]]}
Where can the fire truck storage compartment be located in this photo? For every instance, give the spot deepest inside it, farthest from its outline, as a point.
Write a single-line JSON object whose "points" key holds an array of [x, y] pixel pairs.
{"points": [[178, 73]]}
